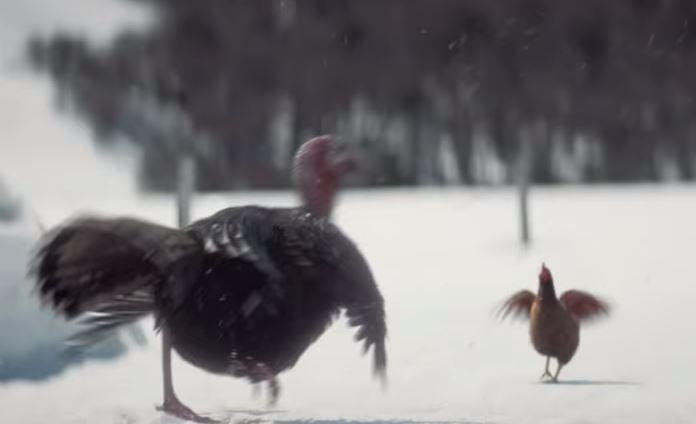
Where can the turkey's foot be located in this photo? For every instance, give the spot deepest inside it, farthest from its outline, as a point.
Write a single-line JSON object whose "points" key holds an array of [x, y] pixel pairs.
{"points": [[176, 408]]}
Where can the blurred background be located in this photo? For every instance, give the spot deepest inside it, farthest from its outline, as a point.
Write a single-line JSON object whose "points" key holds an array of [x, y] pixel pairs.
{"points": [[433, 93], [101, 99]]}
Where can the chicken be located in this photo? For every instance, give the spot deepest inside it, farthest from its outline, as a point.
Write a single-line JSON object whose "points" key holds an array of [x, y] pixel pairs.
{"points": [[554, 323]]}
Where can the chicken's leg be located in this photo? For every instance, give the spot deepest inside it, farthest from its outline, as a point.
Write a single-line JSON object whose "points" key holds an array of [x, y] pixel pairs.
{"points": [[546, 373], [172, 405], [558, 371]]}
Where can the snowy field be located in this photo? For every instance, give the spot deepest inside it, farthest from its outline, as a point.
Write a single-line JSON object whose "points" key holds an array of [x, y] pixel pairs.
{"points": [[444, 260]]}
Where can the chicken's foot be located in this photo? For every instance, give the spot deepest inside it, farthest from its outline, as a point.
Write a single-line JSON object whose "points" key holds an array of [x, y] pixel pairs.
{"points": [[554, 379], [547, 373]]}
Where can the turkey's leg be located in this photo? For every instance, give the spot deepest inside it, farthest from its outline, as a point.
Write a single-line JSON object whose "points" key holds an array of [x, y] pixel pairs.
{"points": [[273, 385], [546, 373], [172, 405]]}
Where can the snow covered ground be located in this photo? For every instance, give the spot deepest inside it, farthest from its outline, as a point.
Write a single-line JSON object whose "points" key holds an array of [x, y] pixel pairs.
{"points": [[444, 260]]}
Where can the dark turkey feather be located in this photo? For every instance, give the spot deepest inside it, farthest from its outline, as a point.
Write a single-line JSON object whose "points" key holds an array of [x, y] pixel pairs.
{"points": [[244, 286], [107, 268]]}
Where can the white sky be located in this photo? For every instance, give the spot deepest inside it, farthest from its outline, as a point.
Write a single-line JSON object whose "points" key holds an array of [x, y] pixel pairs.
{"points": [[43, 152]]}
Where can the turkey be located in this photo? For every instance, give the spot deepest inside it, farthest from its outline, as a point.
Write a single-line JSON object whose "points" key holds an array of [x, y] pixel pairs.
{"points": [[243, 292]]}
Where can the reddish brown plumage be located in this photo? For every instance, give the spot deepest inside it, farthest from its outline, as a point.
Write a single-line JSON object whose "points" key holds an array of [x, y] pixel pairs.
{"points": [[554, 323]]}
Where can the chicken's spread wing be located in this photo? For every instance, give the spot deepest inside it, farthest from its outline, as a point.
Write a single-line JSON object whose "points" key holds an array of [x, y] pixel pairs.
{"points": [[519, 305], [583, 306]]}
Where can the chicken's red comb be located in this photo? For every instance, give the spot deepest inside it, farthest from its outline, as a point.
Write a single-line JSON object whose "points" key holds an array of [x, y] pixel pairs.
{"points": [[544, 274]]}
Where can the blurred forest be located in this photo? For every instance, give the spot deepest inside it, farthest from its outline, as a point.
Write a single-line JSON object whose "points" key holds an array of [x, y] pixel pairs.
{"points": [[429, 91]]}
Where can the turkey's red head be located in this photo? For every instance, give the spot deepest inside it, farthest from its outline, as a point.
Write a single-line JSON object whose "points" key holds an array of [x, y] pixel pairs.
{"points": [[319, 165], [545, 275]]}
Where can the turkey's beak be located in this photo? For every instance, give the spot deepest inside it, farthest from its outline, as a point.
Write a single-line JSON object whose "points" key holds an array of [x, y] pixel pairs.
{"points": [[343, 159]]}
